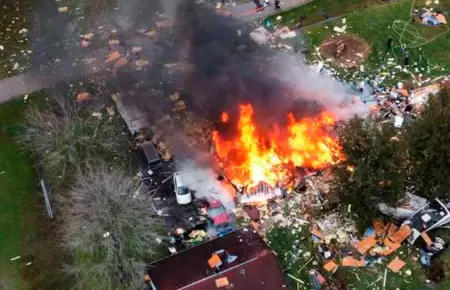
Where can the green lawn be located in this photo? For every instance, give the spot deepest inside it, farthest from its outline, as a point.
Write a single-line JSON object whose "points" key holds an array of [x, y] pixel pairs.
{"points": [[376, 24], [290, 247], [316, 10], [24, 228], [18, 195]]}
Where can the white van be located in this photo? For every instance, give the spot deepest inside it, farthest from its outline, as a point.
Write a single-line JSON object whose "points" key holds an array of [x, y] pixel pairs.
{"points": [[182, 192]]}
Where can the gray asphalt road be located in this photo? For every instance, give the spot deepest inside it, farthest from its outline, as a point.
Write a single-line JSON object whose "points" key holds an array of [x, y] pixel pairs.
{"points": [[34, 81]]}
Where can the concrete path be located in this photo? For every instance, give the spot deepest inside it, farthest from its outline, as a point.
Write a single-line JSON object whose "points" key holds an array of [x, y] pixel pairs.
{"points": [[33, 81], [248, 11]]}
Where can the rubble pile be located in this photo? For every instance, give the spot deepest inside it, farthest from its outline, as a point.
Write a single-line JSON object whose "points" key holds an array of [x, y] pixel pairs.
{"points": [[194, 132], [334, 226]]}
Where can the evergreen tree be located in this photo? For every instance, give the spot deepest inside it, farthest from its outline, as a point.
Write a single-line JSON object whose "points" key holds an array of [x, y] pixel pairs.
{"points": [[429, 147], [374, 169]]}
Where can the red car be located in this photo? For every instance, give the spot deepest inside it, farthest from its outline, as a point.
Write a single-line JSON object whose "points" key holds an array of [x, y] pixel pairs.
{"points": [[219, 219]]}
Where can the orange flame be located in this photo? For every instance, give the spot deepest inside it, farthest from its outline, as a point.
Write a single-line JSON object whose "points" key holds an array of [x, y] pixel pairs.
{"points": [[250, 159], [224, 117]]}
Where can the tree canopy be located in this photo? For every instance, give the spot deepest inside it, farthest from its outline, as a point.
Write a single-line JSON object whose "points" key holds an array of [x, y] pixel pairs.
{"points": [[428, 139], [374, 169]]}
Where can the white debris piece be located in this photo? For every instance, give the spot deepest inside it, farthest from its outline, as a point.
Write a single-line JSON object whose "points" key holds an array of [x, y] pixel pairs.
{"points": [[97, 114], [2, 47], [319, 67], [340, 29], [279, 17], [261, 36], [290, 34], [63, 9], [398, 121], [15, 258], [107, 234], [16, 66]]}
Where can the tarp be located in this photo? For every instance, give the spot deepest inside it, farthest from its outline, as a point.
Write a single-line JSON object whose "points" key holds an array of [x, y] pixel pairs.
{"points": [[430, 20]]}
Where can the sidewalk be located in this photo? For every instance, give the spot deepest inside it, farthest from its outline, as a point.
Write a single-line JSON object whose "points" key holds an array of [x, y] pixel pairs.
{"points": [[248, 11]]}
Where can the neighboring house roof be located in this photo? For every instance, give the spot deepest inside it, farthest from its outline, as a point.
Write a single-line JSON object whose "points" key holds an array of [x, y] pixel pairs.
{"points": [[256, 267]]}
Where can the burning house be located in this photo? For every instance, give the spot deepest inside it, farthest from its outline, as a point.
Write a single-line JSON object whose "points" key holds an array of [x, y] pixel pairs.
{"points": [[264, 163], [272, 117]]}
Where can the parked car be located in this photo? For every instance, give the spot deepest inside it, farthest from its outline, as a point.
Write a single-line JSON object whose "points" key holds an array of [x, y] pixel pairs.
{"points": [[218, 218], [182, 192], [151, 159]]}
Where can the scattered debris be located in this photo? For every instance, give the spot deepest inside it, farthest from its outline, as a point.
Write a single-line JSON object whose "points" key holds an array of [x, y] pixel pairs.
{"points": [[97, 114], [82, 97], [345, 50], [111, 111], [396, 265], [63, 9], [261, 36], [113, 56]]}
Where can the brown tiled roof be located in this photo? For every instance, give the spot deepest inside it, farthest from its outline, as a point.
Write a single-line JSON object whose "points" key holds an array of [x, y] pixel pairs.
{"points": [[256, 267]]}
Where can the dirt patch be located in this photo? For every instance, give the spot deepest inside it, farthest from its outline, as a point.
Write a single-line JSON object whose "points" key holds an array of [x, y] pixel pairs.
{"points": [[345, 50]]}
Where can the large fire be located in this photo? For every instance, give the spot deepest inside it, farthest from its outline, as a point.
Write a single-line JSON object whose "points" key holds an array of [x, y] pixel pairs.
{"points": [[252, 157]]}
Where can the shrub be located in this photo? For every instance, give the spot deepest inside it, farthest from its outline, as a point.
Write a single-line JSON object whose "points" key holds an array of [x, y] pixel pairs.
{"points": [[112, 234], [64, 135]]}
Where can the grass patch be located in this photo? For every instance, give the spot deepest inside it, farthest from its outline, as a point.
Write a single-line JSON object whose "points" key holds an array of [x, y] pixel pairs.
{"points": [[376, 24], [320, 10], [18, 194], [20, 200]]}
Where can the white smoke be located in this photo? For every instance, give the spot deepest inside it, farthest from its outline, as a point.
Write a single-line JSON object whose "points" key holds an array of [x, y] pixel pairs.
{"points": [[334, 95], [203, 181]]}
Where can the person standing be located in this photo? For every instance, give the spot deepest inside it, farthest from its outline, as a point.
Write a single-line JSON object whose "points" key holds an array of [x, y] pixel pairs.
{"points": [[390, 43], [258, 4], [277, 4], [406, 60]]}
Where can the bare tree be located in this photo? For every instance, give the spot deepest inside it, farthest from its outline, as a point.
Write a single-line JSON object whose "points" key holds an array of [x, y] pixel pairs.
{"points": [[112, 233], [63, 136]]}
